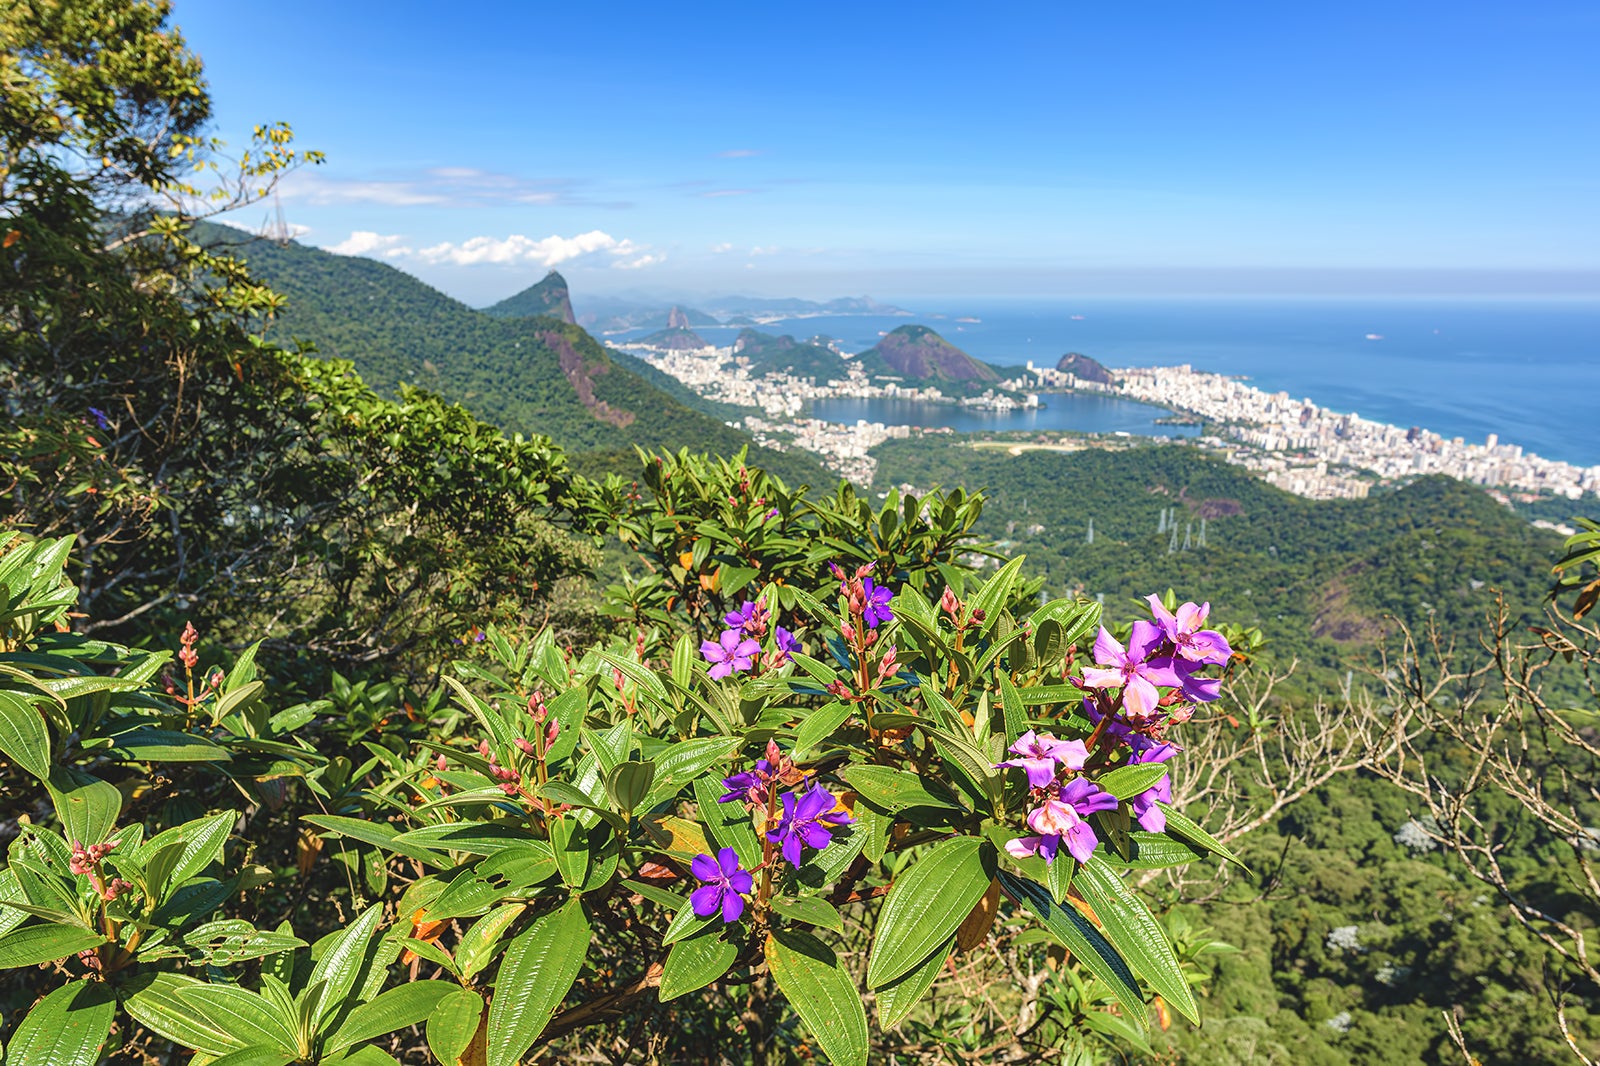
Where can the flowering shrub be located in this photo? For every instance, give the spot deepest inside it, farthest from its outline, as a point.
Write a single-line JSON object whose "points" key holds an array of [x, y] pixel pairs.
{"points": [[587, 830]]}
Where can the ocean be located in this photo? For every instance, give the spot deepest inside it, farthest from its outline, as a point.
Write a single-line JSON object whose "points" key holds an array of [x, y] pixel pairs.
{"points": [[1525, 370]]}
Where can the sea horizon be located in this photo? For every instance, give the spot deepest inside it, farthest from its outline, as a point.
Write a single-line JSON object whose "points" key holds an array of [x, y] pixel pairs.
{"points": [[1459, 367]]}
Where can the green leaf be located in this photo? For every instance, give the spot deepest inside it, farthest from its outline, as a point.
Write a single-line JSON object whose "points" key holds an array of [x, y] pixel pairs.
{"points": [[476, 949], [249, 1019], [1016, 712], [809, 909], [474, 838], [67, 1028], [810, 977], [343, 961], [155, 1001], [895, 790], [147, 744], [1182, 826], [453, 1024], [695, 962], [1079, 936], [686, 923], [44, 943], [203, 841], [1126, 782], [1137, 935], [24, 739], [896, 998], [233, 940], [994, 593], [379, 834], [537, 971], [818, 726], [682, 762], [627, 784], [257, 1056], [397, 1008], [927, 903], [87, 806], [1154, 851]]}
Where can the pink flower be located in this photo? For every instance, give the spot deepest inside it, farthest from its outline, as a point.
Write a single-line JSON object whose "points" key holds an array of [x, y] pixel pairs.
{"points": [[1189, 641], [1062, 818], [1128, 668], [730, 652], [1040, 755]]}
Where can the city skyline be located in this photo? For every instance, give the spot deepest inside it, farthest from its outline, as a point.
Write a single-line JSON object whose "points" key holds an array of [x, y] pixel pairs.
{"points": [[1164, 150]]}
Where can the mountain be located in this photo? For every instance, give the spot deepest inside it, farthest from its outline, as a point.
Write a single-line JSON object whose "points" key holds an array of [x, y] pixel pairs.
{"points": [[785, 355], [526, 375], [674, 338], [548, 297], [918, 352], [1084, 368]]}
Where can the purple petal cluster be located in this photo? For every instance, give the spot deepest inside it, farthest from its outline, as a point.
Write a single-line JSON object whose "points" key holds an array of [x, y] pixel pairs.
{"points": [[786, 643], [877, 598], [1042, 756], [1062, 819], [1149, 816], [808, 818], [732, 652], [1189, 641], [1132, 669], [724, 888]]}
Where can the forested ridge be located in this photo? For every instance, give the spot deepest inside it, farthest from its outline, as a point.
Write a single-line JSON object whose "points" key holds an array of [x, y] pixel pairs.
{"points": [[525, 374]]}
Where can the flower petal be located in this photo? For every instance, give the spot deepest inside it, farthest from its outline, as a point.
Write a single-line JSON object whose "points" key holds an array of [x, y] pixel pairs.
{"points": [[732, 907], [706, 899], [705, 868], [1108, 651]]}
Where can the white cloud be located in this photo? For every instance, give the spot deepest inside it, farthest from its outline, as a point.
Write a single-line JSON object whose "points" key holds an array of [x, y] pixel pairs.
{"points": [[366, 242], [768, 250], [718, 249], [516, 248], [640, 263], [738, 153]]}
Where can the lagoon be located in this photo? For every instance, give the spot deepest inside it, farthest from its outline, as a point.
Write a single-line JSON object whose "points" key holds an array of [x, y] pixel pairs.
{"points": [[1073, 412]]}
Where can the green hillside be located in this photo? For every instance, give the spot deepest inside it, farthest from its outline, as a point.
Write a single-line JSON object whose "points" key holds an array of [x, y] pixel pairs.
{"points": [[1325, 577], [769, 354], [530, 375]]}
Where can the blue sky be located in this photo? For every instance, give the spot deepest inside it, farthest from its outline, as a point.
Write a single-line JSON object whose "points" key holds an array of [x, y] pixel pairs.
{"points": [[933, 149]]}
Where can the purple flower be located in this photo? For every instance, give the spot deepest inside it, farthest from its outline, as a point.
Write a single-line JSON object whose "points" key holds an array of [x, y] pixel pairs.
{"points": [[100, 418], [730, 652], [787, 645], [1196, 688], [1127, 668], [1188, 639], [725, 884], [1149, 816], [877, 608], [809, 819], [1062, 818], [1039, 755], [748, 785]]}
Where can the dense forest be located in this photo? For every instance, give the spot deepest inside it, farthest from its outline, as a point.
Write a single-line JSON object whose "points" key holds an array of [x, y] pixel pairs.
{"points": [[446, 688]]}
